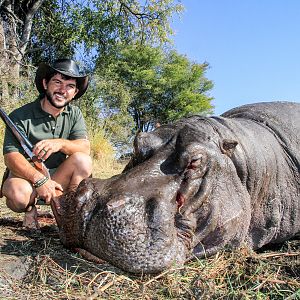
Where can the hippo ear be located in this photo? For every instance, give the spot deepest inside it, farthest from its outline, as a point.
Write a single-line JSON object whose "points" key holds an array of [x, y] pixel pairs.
{"points": [[227, 146]]}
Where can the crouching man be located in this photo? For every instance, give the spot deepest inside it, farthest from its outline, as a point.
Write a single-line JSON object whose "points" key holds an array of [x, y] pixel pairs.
{"points": [[58, 132]]}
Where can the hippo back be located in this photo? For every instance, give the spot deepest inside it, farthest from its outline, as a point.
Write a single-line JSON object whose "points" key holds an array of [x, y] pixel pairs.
{"points": [[282, 118]]}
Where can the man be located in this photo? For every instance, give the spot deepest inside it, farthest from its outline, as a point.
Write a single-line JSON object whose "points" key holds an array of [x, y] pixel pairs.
{"points": [[58, 133]]}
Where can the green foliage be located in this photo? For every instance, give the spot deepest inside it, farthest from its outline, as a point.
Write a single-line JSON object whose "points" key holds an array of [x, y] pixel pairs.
{"points": [[52, 33], [154, 86], [114, 121], [93, 28]]}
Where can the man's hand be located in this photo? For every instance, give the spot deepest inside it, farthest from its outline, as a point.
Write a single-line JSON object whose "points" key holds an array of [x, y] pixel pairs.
{"points": [[43, 149], [50, 189]]}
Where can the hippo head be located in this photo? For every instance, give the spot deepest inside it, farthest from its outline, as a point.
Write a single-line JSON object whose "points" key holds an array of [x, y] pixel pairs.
{"points": [[168, 205]]}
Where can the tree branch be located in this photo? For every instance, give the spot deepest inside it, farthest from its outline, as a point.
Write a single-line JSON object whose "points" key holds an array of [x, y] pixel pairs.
{"points": [[28, 25], [11, 13], [138, 15]]}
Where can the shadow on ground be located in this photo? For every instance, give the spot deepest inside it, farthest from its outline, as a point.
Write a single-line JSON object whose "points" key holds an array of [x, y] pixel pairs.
{"points": [[28, 257]]}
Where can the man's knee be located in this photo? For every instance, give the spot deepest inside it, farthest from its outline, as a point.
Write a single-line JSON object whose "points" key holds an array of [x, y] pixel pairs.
{"points": [[82, 163], [18, 198]]}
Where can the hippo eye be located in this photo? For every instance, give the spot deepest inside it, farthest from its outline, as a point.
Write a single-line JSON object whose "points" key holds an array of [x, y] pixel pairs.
{"points": [[195, 163]]}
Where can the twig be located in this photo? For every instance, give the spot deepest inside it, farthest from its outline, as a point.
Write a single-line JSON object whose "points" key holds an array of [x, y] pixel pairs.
{"points": [[95, 277], [89, 256], [275, 281], [260, 285], [156, 277], [161, 275], [103, 288], [267, 255]]}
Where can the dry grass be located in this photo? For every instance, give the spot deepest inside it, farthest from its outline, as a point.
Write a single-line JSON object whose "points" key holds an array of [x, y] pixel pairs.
{"points": [[106, 167], [103, 155], [52, 272]]}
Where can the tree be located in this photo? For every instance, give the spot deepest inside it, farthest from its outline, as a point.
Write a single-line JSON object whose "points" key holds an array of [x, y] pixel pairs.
{"points": [[183, 89], [155, 86], [15, 30], [52, 34]]}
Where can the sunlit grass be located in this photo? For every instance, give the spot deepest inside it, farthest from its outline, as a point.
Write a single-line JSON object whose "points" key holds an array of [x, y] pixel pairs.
{"points": [[104, 162]]}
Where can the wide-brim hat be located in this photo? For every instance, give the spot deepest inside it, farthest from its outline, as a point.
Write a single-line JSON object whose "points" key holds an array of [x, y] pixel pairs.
{"points": [[66, 67]]}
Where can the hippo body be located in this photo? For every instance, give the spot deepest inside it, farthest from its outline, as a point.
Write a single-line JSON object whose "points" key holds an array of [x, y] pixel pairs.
{"points": [[191, 189]]}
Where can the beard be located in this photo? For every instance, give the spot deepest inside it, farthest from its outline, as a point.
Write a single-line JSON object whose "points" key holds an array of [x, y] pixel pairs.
{"points": [[52, 102]]}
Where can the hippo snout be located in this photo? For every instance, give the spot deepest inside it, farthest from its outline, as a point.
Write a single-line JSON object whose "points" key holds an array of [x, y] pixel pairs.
{"points": [[135, 233]]}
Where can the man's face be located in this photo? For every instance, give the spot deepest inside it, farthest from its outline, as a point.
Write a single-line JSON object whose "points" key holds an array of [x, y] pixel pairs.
{"points": [[60, 91]]}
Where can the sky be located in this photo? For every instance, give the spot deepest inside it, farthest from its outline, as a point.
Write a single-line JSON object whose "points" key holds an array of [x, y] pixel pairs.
{"points": [[252, 47]]}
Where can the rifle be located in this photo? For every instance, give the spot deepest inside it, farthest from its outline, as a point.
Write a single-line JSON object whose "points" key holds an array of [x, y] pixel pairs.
{"points": [[25, 143]]}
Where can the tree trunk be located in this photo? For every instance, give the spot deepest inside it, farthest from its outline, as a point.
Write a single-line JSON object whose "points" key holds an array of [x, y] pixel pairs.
{"points": [[15, 30], [3, 67]]}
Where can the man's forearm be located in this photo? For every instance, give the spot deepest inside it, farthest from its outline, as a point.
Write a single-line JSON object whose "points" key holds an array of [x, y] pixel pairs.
{"points": [[21, 167], [71, 146]]}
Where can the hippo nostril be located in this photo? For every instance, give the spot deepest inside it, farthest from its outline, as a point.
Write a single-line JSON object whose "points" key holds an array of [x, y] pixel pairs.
{"points": [[150, 209]]}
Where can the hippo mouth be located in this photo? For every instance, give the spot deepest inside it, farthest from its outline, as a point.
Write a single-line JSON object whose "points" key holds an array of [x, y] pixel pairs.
{"points": [[66, 225], [56, 209], [71, 211]]}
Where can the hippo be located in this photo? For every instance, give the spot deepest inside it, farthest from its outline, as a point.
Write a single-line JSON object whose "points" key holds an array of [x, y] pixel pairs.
{"points": [[193, 188]]}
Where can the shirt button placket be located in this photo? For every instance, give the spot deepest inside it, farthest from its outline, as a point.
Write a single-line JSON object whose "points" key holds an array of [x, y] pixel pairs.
{"points": [[58, 122], [52, 124]]}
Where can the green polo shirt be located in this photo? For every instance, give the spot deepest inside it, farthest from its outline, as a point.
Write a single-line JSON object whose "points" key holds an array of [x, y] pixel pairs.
{"points": [[39, 125]]}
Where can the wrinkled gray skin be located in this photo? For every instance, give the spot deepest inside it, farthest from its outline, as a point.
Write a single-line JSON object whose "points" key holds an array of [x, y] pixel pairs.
{"points": [[191, 189]]}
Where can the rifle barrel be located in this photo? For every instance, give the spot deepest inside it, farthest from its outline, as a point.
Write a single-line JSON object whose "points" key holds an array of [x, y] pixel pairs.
{"points": [[23, 140]]}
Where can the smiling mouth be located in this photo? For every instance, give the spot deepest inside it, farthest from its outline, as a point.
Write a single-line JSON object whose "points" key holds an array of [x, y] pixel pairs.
{"points": [[59, 97]]}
